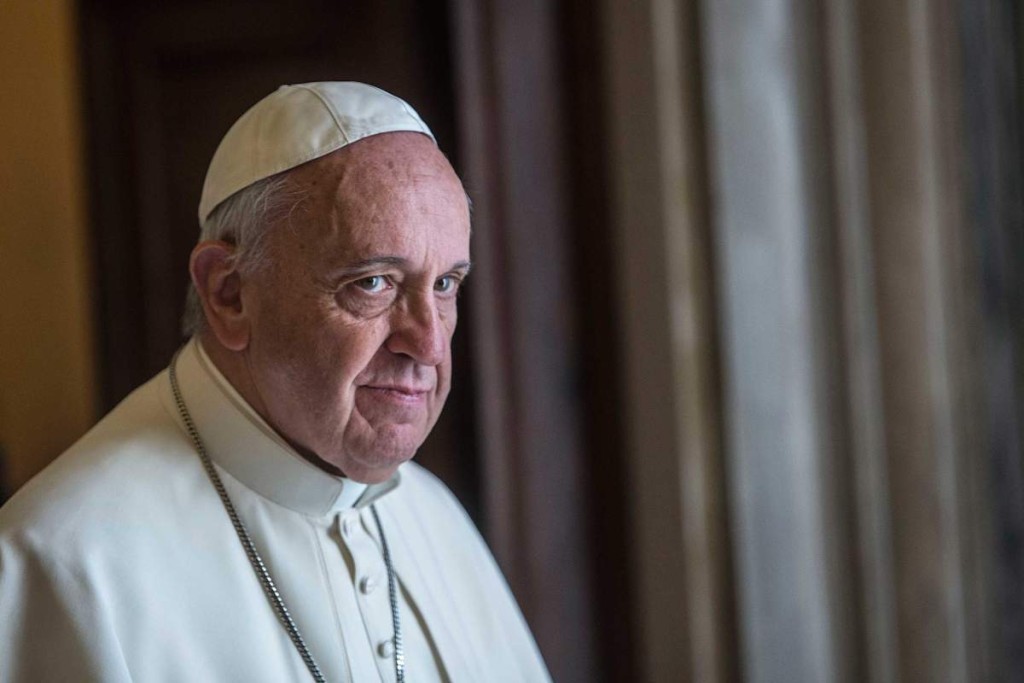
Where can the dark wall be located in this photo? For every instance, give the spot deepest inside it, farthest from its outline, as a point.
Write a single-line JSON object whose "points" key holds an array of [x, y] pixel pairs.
{"points": [[993, 57]]}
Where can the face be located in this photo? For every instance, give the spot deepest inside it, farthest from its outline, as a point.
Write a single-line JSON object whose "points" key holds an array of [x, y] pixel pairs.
{"points": [[350, 327]]}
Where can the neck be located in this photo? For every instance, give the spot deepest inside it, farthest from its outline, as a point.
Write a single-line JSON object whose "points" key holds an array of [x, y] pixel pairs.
{"points": [[233, 366]]}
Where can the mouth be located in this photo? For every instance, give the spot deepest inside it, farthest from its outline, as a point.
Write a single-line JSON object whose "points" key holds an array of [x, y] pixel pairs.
{"points": [[398, 393]]}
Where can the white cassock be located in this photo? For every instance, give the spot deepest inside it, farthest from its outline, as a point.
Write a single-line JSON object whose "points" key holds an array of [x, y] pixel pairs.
{"points": [[119, 563]]}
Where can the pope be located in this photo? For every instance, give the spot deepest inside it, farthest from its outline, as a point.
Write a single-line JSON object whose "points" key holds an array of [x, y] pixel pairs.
{"points": [[251, 513]]}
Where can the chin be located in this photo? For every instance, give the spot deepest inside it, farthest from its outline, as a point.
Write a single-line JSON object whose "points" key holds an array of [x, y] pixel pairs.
{"points": [[374, 473], [372, 477], [376, 461]]}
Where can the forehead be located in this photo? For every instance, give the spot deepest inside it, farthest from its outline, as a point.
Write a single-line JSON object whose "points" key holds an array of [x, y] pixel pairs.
{"points": [[385, 193]]}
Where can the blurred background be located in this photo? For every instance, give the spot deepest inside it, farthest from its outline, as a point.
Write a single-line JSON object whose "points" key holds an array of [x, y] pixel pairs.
{"points": [[739, 388]]}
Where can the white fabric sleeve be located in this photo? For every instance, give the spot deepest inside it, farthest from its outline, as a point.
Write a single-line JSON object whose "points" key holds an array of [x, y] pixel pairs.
{"points": [[52, 626]]}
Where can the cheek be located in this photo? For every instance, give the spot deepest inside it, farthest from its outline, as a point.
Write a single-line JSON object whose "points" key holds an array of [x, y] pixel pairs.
{"points": [[449, 320], [449, 314], [323, 356], [357, 351]]}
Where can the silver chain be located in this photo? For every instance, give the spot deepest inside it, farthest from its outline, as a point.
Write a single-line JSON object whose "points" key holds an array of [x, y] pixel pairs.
{"points": [[269, 587], [393, 597]]}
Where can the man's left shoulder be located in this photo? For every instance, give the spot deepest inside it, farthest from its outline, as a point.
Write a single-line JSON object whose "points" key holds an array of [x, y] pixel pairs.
{"points": [[423, 490], [431, 522], [419, 480], [438, 549]]}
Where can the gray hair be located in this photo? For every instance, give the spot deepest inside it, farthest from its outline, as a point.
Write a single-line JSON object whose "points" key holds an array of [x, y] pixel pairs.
{"points": [[243, 219]]}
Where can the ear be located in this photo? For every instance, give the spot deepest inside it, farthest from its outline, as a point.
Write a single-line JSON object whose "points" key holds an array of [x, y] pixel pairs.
{"points": [[219, 286]]}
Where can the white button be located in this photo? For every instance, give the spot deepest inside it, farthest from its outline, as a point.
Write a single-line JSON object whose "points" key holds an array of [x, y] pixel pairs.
{"points": [[349, 525], [386, 648], [368, 584]]}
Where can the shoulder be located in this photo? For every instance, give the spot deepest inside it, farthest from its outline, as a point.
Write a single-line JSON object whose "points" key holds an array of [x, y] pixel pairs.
{"points": [[429, 512], [438, 544], [110, 480], [423, 491], [421, 482]]}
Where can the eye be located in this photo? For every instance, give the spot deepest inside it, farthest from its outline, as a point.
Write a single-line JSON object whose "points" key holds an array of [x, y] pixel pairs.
{"points": [[446, 284], [373, 284]]}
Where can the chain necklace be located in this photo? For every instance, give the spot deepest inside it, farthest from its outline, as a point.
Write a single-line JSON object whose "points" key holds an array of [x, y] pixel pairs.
{"points": [[262, 573]]}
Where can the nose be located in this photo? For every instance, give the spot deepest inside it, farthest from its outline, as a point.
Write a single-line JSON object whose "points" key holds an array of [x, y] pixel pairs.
{"points": [[417, 331]]}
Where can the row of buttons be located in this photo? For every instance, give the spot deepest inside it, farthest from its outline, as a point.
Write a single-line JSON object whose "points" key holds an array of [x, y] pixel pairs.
{"points": [[350, 527]]}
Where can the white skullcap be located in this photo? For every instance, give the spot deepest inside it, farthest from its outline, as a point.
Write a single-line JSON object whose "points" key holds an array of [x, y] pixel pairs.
{"points": [[296, 124]]}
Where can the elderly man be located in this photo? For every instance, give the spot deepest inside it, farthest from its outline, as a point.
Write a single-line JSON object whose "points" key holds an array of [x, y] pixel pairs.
{"points": [[251, 514]]}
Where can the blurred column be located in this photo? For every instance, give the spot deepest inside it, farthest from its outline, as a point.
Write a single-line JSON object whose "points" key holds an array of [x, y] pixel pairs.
{"points": [[514, 148], [848, 309], [927, 304], [683, 608], [993, 45], [792, 230], [786, 445]]}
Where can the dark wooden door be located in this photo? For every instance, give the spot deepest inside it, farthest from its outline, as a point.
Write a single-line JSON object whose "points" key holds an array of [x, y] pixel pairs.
{"points": [[164, 81]]}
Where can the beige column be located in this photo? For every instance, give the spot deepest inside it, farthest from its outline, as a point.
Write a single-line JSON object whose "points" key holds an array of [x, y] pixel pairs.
{"points": [[46, 353]]}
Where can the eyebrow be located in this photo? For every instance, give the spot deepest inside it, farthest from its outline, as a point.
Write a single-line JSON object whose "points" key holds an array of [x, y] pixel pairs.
{"points": [[370, 264], [378, 261]]}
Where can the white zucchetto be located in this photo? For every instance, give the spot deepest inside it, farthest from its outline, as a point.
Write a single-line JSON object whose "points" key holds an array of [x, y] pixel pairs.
{"points": [[296, 124]]}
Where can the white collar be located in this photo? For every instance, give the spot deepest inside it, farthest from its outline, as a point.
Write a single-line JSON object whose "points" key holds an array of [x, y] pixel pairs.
{"points": [[245, 446]]}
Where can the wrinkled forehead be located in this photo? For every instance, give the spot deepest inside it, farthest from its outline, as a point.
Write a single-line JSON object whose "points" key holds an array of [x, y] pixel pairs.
{"points": [[379, 170], [362, 194], [382, 162]]}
